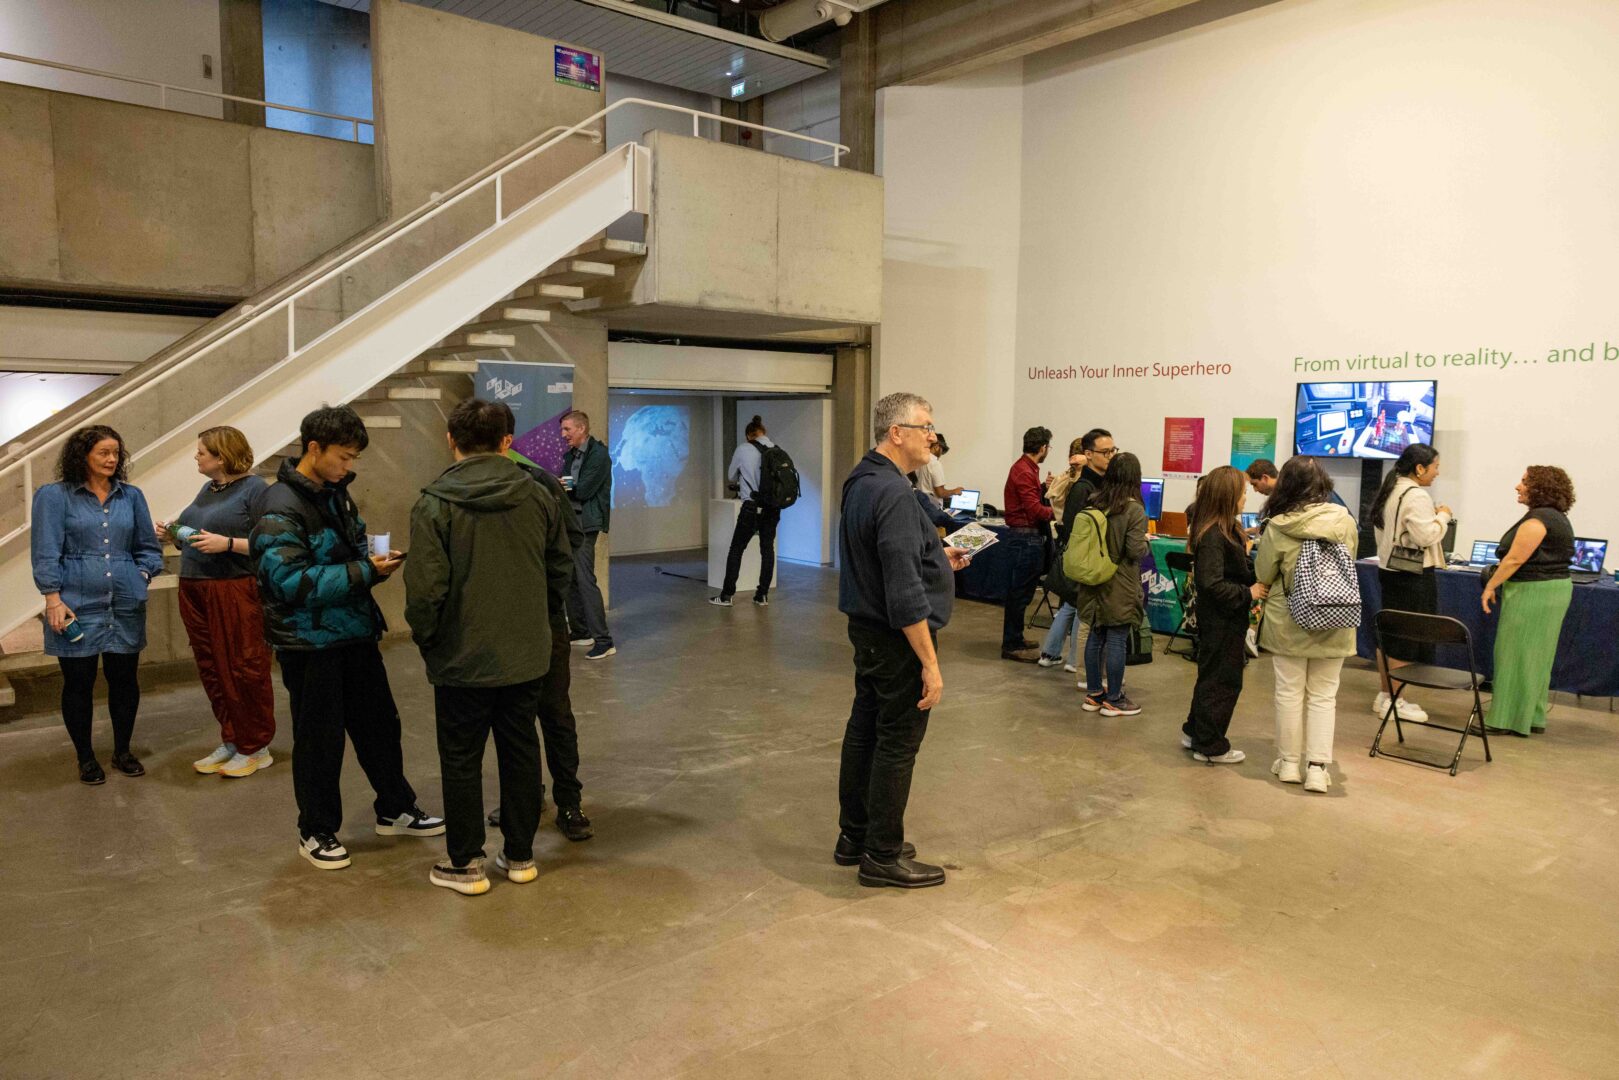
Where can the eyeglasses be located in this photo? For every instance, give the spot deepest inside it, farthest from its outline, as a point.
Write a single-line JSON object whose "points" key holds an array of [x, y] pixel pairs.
{"points": [[1109, 452], [919, 427]]}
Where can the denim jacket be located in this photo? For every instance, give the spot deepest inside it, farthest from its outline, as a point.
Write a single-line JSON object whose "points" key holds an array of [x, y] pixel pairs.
{"points": [[99, 557]]}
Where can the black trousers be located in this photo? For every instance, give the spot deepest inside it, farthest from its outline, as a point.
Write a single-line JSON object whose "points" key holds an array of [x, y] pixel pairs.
{"points": [[750, 520], [884, 733], [335, 692], [1025, 555], [466, 717], [557, 726], [1220, 657], [79, 698]]}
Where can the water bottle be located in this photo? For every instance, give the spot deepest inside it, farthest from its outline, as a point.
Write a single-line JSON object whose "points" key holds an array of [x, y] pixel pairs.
{"points": [[181, 534]]}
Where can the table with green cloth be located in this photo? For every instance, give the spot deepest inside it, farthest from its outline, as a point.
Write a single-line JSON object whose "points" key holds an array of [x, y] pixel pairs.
{"points": [[1163, 590]]}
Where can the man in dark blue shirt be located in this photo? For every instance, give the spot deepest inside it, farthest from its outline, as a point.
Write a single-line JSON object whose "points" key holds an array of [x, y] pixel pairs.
{"points": [[895, 585]]}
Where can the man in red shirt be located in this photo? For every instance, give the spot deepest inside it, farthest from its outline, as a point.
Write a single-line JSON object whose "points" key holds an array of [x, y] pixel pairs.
{"points": [[1028, 516]]}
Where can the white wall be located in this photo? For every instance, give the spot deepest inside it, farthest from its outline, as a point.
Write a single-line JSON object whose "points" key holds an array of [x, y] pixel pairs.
{"points": [[810, 108], [631, 122], [802, 427], [111, 339], [950, 156], [1311, 179], [161, 40], [28, 398]]}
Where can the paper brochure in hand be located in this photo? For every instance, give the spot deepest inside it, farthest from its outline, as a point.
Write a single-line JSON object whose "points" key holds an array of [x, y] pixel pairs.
{"points": [[974, 538]]}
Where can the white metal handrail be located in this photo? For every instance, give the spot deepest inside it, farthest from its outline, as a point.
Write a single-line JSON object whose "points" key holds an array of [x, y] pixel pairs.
{"points": [[287, 295], [163, 91]]}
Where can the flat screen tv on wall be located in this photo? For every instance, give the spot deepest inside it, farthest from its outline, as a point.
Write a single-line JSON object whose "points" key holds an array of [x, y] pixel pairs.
{"points": [[1362, 419]]}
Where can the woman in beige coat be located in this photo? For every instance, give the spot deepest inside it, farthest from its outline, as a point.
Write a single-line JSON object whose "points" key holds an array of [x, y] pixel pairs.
{"points": [[1307, 663]]}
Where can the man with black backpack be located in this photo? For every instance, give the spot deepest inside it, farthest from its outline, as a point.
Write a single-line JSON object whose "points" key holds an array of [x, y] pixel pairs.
{"points": [[768, 483]]}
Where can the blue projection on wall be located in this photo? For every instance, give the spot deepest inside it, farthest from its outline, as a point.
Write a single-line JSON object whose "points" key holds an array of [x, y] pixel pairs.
{"points": [[652, 445]]}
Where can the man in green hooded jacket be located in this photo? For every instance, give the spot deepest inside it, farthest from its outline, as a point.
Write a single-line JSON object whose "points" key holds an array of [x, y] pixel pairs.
{"points": [[488, 547]]}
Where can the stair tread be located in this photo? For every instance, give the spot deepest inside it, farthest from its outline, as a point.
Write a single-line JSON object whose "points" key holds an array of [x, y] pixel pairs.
{"points": [[608, 250], [540, 290], [577, 272]]}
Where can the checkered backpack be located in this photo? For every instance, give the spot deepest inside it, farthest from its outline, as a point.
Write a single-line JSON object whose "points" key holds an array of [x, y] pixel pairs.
{"points": [[1325, 593]]}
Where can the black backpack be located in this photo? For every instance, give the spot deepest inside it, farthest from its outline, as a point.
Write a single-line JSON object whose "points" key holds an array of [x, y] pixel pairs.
{"points": [[778, 479]]}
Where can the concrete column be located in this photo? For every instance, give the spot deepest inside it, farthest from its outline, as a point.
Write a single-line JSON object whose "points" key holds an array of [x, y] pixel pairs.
{"points": [[851, 407], [857, 128], [241, 58], [751, 111]]}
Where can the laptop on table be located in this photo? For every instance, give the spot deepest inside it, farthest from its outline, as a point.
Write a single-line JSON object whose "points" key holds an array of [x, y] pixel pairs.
{"points": [[964, 503], [1590, 560]]}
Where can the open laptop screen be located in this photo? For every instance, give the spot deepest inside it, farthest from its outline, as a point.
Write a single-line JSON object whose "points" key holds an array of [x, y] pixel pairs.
{"points": [[1589, 555], [1484, 553], [967, 500]]}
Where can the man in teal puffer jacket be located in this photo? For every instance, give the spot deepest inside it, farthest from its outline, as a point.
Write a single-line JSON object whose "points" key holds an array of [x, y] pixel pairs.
{"points": [[315, 578]]}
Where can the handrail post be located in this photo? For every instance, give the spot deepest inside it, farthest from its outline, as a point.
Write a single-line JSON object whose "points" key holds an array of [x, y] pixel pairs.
{"points": [[696, 126], [356, 125], [499, 196], [292, 336], [162, 95]]}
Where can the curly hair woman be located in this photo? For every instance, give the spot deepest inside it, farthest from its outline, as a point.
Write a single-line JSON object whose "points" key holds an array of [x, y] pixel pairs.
{"points": [[1534, 587], [93, 553]]}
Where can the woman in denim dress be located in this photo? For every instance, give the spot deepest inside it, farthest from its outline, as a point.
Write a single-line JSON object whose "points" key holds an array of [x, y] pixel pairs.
{"points": [[93, 553]]}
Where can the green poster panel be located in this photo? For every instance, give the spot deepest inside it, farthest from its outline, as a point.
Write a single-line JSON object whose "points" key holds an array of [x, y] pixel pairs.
{"points": [[1252, 438]]}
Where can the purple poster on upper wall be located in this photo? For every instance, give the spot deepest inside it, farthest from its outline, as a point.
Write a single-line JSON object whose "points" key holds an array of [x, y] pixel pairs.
{"points": [[575, 67]]}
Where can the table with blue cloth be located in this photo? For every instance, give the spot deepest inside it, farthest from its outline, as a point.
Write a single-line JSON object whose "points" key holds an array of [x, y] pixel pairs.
{"points": [[1587, 649], [988, 578]]}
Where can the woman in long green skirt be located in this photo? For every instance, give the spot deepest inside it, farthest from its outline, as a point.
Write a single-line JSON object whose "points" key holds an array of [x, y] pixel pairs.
{"points": [[1535, 588]]}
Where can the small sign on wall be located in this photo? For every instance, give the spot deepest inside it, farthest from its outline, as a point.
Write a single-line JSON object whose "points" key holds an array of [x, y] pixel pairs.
{"points": [[575, 67], [1183, 445]]}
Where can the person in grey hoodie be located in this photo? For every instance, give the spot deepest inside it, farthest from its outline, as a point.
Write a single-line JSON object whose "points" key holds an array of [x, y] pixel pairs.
{"points": [[488, 548], [1307, 663]]}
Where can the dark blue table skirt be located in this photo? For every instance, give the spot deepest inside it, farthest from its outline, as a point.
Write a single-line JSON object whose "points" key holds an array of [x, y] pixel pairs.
{"points": [[1587, 651], [986, 578]]}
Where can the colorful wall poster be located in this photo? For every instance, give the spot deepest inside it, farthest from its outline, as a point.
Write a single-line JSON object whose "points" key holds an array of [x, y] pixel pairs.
{"points": [[538, 395], [575, 67], [1252, 438], [1183, 445]]}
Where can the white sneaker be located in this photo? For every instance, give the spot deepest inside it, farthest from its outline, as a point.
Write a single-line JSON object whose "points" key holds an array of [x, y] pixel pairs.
{"points": [[324, 851], [1230, 757], [1251, 642], [1186, 742], [1048, 661], [1316, 778], [1287, 771], [520, 872], [716, 600], [247, 764], [413, 822], [1071, 669], [1409, 711], [213, 761]]}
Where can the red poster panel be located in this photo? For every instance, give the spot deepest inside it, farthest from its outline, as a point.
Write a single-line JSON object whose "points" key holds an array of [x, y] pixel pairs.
{"points": [[1183, 444]]}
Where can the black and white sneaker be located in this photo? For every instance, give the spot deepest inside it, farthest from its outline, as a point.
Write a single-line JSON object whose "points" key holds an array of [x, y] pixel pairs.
{"points": [[586, 640], [717, 601], [600, 652], [413, 822], [323, 851], [761, 601]]}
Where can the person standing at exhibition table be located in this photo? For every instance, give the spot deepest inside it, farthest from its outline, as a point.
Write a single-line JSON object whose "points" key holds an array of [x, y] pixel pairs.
{"points": [[754, 518], [930, 476], [1535, 588], [587, 473], [1068, 498], [895, 585], [1225, 588], [93, 551], [1410, 531], [1262, 474], [219, 603], [1307, 664], [1028, 522], [1111, 608]]}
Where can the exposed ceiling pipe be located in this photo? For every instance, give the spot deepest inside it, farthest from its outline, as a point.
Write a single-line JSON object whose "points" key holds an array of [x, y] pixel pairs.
{"points": [[796, 16]]}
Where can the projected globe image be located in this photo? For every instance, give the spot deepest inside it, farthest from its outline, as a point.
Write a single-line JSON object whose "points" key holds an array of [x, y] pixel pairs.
{"points": [[653, 444]]}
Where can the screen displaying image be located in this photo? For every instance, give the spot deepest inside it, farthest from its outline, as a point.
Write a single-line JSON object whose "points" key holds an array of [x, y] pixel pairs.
{"points": [[660, 446], [1362, 420], [1483, 552], [1589, 554], [1152, 497], [967, 500]]}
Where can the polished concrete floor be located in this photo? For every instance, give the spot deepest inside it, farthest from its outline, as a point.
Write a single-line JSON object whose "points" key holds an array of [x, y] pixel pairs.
{"points": [[1114, 909]]}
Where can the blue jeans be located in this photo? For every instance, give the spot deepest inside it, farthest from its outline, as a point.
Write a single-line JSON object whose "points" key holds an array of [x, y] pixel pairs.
{"points": [[1106, 647], [1025, 555], [1065, 627]]}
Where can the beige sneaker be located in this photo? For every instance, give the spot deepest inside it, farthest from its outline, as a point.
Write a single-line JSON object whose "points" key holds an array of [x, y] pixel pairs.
{"points": [[212, 763], [1287, 771], [521, 872], [247, 764], [1317, 779]]}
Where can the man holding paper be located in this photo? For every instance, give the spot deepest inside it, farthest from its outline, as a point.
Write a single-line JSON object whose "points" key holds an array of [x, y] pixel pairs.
{"points": [[896, 588]]}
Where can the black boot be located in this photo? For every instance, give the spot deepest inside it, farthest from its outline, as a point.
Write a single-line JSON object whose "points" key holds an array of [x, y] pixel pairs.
{"points": [[572, 824]]}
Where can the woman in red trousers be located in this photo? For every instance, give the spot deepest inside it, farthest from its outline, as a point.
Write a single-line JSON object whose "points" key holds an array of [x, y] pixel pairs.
{"points": [[219, 602]]}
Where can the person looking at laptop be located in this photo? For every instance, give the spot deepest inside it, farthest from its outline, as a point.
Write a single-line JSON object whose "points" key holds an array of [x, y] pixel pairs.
{"points": [[930, 476], [1532, 588]]}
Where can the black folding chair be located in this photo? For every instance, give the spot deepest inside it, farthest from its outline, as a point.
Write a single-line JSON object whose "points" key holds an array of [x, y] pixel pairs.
{"points": [[1179, 564], [1413, 628]]}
